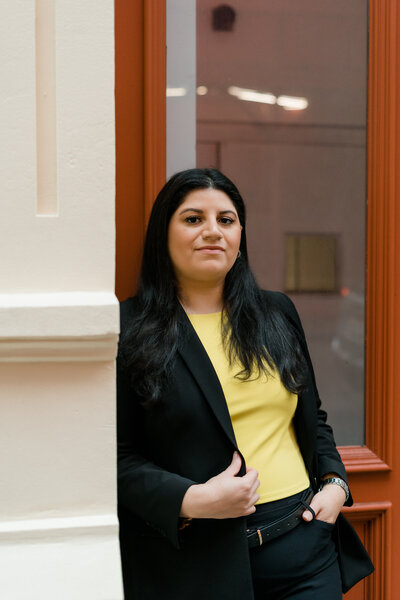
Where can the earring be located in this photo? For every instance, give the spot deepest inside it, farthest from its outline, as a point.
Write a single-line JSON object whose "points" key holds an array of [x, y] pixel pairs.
{"points": [[239, 254]]}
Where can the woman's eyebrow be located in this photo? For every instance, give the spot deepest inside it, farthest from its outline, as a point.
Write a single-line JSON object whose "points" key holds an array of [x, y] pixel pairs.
{"points": [[199, 211], [196, 210]]}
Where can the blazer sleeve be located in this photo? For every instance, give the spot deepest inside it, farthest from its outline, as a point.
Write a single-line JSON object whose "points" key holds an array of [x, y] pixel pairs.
{"points": [[150, 492], [328, 458]]}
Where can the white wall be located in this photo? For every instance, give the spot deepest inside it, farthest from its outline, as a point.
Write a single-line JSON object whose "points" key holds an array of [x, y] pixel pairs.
{"points": [[58, 312]]}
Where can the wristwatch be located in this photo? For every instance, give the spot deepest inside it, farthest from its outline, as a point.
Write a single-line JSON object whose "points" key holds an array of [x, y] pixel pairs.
{"points": [[336, 481]]}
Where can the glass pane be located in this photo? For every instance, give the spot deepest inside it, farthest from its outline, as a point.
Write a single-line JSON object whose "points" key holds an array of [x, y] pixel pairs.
{"points": [[181, 85], [281, 109]]}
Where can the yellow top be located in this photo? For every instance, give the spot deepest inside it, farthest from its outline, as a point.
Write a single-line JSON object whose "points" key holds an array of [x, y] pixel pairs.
{"points": [[261, 411]]}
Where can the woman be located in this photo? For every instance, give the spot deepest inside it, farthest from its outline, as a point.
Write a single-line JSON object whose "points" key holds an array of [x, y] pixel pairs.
{"points": [[222, 444]]}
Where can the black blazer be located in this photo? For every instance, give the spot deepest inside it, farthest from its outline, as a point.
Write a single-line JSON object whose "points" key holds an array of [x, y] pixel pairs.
{"points": [[187, 438]]}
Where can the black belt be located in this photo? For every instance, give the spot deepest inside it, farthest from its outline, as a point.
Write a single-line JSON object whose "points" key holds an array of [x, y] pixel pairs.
{"points": [[265, 533]]}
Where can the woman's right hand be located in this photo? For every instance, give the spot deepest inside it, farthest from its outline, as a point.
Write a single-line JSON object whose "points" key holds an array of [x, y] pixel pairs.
{"points": [[224, 496]]}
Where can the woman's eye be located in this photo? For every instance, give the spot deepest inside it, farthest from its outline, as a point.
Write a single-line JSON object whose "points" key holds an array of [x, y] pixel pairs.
{"points": [[226, 220], [193, 219]]}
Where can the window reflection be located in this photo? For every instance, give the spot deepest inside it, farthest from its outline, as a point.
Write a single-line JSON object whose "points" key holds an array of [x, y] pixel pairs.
{"points": [[281, 109], [311, 263]]}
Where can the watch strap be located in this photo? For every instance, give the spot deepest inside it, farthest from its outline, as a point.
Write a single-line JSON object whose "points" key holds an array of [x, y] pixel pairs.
{"points": [[337, 481]]}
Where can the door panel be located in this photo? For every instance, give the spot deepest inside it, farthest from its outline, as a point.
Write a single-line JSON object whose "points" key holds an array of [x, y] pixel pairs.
{"points": [[373, 467]]}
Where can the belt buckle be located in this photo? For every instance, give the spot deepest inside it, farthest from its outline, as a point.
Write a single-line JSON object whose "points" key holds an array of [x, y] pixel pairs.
{"points": [[260, 539]]}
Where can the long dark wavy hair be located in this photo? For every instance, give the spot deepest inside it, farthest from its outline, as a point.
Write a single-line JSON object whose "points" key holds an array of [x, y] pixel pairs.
{"points": [[255, 332]]}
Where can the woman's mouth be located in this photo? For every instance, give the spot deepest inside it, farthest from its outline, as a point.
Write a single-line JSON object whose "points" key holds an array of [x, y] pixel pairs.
{"points": [[211, 249]]}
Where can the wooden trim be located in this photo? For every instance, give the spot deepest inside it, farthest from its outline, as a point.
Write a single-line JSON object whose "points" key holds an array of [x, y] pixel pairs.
{"points": [[358, 459], [383, 245], [375, 518], [155, 85], [381, 248], [129, 142], [140, 100]]}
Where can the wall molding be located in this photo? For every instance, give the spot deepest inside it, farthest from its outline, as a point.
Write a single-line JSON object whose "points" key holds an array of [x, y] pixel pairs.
{"points": [[51, 528], [81, 552], [65, 326], [100, 348]]}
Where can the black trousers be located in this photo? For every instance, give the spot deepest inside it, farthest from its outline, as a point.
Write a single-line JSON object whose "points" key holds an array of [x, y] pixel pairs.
{"points": [[299, 565]]}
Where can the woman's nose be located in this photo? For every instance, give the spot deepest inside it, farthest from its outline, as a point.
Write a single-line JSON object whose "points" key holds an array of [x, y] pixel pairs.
{"points": [[211, 229]]}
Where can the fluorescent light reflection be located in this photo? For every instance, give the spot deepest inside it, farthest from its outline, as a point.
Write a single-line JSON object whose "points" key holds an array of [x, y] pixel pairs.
{"points": [[286, 102], [251, 95], [175, 92], [292, 103]]}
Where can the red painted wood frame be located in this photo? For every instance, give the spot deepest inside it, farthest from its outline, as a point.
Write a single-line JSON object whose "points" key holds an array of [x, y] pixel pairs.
{"points": [[140, 123], [140, 151], [374, 468]]}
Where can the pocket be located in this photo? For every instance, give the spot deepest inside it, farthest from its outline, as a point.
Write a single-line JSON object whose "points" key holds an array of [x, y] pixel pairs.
{"points": [[324, 524], [307, 549]]}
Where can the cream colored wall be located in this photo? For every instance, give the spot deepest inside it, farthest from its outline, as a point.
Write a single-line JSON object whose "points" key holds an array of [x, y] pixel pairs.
{"points": [[58, 312]]}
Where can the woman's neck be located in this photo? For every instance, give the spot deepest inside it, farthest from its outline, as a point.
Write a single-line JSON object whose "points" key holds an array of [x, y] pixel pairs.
{"points": [[201, 300]]}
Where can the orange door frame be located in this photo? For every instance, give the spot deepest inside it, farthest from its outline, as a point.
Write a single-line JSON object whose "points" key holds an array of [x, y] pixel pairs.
{"points": [[374, 468], [140, 127]]}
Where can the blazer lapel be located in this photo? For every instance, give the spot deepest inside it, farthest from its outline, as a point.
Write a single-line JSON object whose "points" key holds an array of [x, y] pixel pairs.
{"points": [[197, 360]]}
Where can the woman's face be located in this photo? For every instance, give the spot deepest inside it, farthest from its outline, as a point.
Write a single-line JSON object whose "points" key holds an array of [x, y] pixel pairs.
{"points": [[204, 237]]}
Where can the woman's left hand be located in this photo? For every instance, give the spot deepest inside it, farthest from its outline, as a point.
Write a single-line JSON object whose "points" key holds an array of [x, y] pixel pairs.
{"points": [[327, 503]]}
